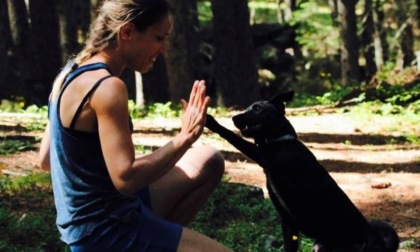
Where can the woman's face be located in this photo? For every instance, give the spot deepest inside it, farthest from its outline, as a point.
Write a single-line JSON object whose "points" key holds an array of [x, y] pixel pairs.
{"points": [[144, 47]]}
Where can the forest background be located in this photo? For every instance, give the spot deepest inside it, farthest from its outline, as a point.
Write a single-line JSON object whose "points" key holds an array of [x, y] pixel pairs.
{"points": [[245, 50], [337, 53]]}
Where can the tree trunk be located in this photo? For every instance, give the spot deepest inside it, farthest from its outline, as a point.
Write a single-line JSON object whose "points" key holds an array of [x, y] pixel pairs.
{"points": [[417, 16], [5, 43], [350, 70], [22, 48], [334, 12], [155, 83], [235, 69], [68, 29], [140, 102], [405, 32], [368, 47], [380, 38], [83, 19], [285, 15], [46, 40], [182, 48]]}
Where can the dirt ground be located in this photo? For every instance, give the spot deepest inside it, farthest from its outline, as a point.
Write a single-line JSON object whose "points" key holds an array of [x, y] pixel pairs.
{"points": [[381, 176]]}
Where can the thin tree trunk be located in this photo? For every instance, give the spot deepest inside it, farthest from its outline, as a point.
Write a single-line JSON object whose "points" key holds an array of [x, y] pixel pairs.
{"points": [[46, 40], [367, 41], [139, 90], [182, 48], [405, 32], [350, 70], [334, 11], [83, 19], [380, 38], [285, 15], [417, 15], [22, 48], [155, 83], [68, 29], [5, 43], [235, 69]]}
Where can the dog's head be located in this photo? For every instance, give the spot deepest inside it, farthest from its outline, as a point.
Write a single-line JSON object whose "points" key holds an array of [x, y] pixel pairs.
{"points": [[264, 119]]}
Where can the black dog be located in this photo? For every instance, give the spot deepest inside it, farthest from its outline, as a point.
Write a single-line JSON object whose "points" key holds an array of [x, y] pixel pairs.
{"points": [[306, 197]]}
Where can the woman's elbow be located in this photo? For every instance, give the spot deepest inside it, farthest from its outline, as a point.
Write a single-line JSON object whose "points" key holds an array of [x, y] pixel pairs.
{"points": [[45, 164], [124, 188], [123, 183]]}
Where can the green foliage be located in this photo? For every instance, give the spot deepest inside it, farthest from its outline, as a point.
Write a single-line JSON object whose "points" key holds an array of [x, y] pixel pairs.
{"points": [[236, 215], [385, 93], [12, 146], [315, 30], [27, 215], [18, 106], [12, 106], [219, 111], [239, 217], [143, 149], [165, 110]]}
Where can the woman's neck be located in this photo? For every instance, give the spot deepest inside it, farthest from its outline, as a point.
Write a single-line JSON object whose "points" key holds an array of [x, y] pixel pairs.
{"points": [[111, 59]]}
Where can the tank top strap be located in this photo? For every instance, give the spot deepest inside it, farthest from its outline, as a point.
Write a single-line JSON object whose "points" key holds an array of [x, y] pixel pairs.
{"points": [[81, 69], [85, 99]]}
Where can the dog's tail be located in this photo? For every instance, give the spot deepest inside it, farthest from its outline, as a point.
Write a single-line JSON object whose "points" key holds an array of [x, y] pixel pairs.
{"points": [[384, 239]]}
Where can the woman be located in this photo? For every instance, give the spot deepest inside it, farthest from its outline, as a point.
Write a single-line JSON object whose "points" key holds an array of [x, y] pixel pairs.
{"points": [[106, 199]]}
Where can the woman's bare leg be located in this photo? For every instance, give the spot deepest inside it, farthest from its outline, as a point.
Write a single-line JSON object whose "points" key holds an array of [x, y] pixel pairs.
{"points": [[192, 241], [181, 193]]}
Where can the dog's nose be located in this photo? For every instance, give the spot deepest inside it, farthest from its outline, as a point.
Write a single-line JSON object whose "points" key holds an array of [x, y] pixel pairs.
{"points": [[237, 121]]}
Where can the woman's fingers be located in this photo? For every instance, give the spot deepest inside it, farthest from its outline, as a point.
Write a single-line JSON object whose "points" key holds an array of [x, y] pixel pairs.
{"points": [[194, 110], [194, 91], [198, 95]]}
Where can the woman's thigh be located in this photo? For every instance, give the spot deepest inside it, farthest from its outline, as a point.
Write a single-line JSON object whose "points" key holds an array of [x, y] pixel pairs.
{"points": [[193, 178]]}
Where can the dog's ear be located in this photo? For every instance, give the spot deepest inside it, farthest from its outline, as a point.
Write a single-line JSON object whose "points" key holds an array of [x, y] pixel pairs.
{"points": [[281, 98]]}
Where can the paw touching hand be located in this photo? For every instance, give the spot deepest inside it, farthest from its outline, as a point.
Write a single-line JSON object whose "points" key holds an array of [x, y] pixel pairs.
{"points": [[211, 123]]}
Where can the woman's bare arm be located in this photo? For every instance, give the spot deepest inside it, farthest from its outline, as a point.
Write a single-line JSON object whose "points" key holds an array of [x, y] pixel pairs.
{"points": [[127, 173], [44, 150]]}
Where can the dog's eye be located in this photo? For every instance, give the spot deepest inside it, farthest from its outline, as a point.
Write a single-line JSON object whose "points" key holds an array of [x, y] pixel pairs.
{"points": [[256, 107]]}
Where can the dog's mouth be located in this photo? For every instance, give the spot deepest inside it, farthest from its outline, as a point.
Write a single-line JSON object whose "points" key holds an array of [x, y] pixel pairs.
{"points": [[248, 127], [249, 130]]}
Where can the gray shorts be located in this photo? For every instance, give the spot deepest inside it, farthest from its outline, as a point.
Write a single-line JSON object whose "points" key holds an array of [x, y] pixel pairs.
{"points": [[149, 233]]}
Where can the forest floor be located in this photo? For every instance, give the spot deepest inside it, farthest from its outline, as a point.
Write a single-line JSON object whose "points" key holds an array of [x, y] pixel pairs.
{"points": [[380, 175]]}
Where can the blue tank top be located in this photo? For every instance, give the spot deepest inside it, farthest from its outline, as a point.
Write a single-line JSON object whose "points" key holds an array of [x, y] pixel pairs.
{"points": [[84, 194]]}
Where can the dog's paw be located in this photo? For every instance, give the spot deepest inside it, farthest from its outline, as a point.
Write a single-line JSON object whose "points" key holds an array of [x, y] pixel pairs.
{"points": [[211, 123]]}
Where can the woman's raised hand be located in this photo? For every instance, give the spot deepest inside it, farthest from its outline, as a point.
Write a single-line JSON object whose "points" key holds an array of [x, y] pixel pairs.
{"points": [[194, 111]]}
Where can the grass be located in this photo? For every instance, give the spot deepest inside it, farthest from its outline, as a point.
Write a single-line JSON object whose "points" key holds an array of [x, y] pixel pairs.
{"points": [[241, 218], [236, 215], [27, 215]]}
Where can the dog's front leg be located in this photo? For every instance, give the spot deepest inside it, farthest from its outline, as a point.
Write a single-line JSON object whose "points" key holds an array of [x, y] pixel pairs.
{"points": [[247, 148], [290, 237]]}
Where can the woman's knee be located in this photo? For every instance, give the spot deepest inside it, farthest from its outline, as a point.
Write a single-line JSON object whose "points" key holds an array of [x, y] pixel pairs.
{"points": [[215, 163], [207, 161]]}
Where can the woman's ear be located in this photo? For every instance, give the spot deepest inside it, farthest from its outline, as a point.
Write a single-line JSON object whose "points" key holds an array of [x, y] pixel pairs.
{"points": [[127, 30]]}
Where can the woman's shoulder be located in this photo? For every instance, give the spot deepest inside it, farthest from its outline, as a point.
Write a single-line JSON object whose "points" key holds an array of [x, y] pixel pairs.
{"points": [[112, 92]]}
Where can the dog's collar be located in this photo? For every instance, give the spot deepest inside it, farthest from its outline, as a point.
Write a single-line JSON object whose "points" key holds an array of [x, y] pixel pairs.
{"points": [[279, 139]]}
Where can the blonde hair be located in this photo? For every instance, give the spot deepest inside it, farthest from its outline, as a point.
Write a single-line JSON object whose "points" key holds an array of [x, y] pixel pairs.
{"points": [[113, 14]]}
